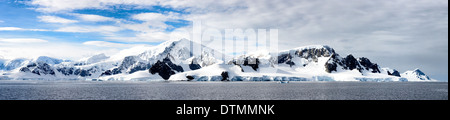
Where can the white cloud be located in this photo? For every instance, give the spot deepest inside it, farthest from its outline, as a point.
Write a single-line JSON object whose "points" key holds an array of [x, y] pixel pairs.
{"points": [[94, 18], [69, 5], [87, 29], [10, 28], [151, 17], [152, 29], [152, 21], [143, 37], [22, 40], [58, 50], [1, 21], [19, 29], [108, 44], [55, 19]]}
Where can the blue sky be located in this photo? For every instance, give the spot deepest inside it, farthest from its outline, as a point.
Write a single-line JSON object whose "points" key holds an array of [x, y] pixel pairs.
{"points": [[20, 14], [394, 33]]}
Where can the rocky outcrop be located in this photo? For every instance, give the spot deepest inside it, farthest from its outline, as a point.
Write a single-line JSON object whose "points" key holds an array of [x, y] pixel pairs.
{"points": [[39, 69], [395, 73], [286, 59], [190, 78], [67, 71], [194, 66], [165, 68], [225, 76], [82, 73], [254, 63], [247, 61], [372, 67], [351, 63], [333, 63], [315, 52]]}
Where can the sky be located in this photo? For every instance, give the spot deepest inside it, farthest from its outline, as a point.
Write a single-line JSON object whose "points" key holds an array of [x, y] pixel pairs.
{"points": [[400, 34]]}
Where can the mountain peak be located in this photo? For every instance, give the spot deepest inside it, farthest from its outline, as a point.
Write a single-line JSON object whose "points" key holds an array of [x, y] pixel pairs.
{"points": [[322, 50], [315, 47], [417, 70], [175, 42], [417, 74], [312, 51], [95, 58], [48, 60]]}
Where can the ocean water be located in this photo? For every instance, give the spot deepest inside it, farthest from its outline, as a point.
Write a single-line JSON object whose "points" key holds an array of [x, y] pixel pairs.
{"points": [[64, 90]]}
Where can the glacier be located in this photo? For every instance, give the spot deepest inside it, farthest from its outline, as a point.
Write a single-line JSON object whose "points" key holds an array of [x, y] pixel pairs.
{"points": [[174, 61]]}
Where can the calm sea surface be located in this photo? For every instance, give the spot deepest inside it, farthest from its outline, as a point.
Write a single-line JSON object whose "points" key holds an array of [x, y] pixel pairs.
{"points": [[63, 90]]}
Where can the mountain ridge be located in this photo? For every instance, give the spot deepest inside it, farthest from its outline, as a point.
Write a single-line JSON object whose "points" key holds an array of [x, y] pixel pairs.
{"points": [[173, 60]]}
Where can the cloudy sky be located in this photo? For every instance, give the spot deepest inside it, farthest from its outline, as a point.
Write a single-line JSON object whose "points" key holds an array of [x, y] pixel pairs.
{"points": [[401, 34]]}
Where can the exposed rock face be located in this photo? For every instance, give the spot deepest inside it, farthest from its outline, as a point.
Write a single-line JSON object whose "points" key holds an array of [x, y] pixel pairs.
{"points": [[165, 68], [315, 53], [190, 78], [310, 53], [194, 66], [395, 73], [333, 63], [251, 62], [82, 73], [373, 67], [67, 70], [225, 76], [254, 63], [162, 69], [351, 63], [25, 69], [285, 58], [39, 69]]}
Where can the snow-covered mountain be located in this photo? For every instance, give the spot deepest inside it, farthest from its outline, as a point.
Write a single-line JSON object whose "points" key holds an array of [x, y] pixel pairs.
{"points": [[174, 60], [93, 59], [416, 74], [8, 65], [49, 60]]}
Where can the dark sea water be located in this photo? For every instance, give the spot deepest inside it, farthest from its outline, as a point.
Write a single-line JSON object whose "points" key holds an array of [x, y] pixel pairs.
{"points": [[38, 90]]}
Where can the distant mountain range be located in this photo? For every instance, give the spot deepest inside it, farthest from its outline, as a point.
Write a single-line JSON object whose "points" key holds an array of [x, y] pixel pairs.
{"points": [[173, 60]]}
